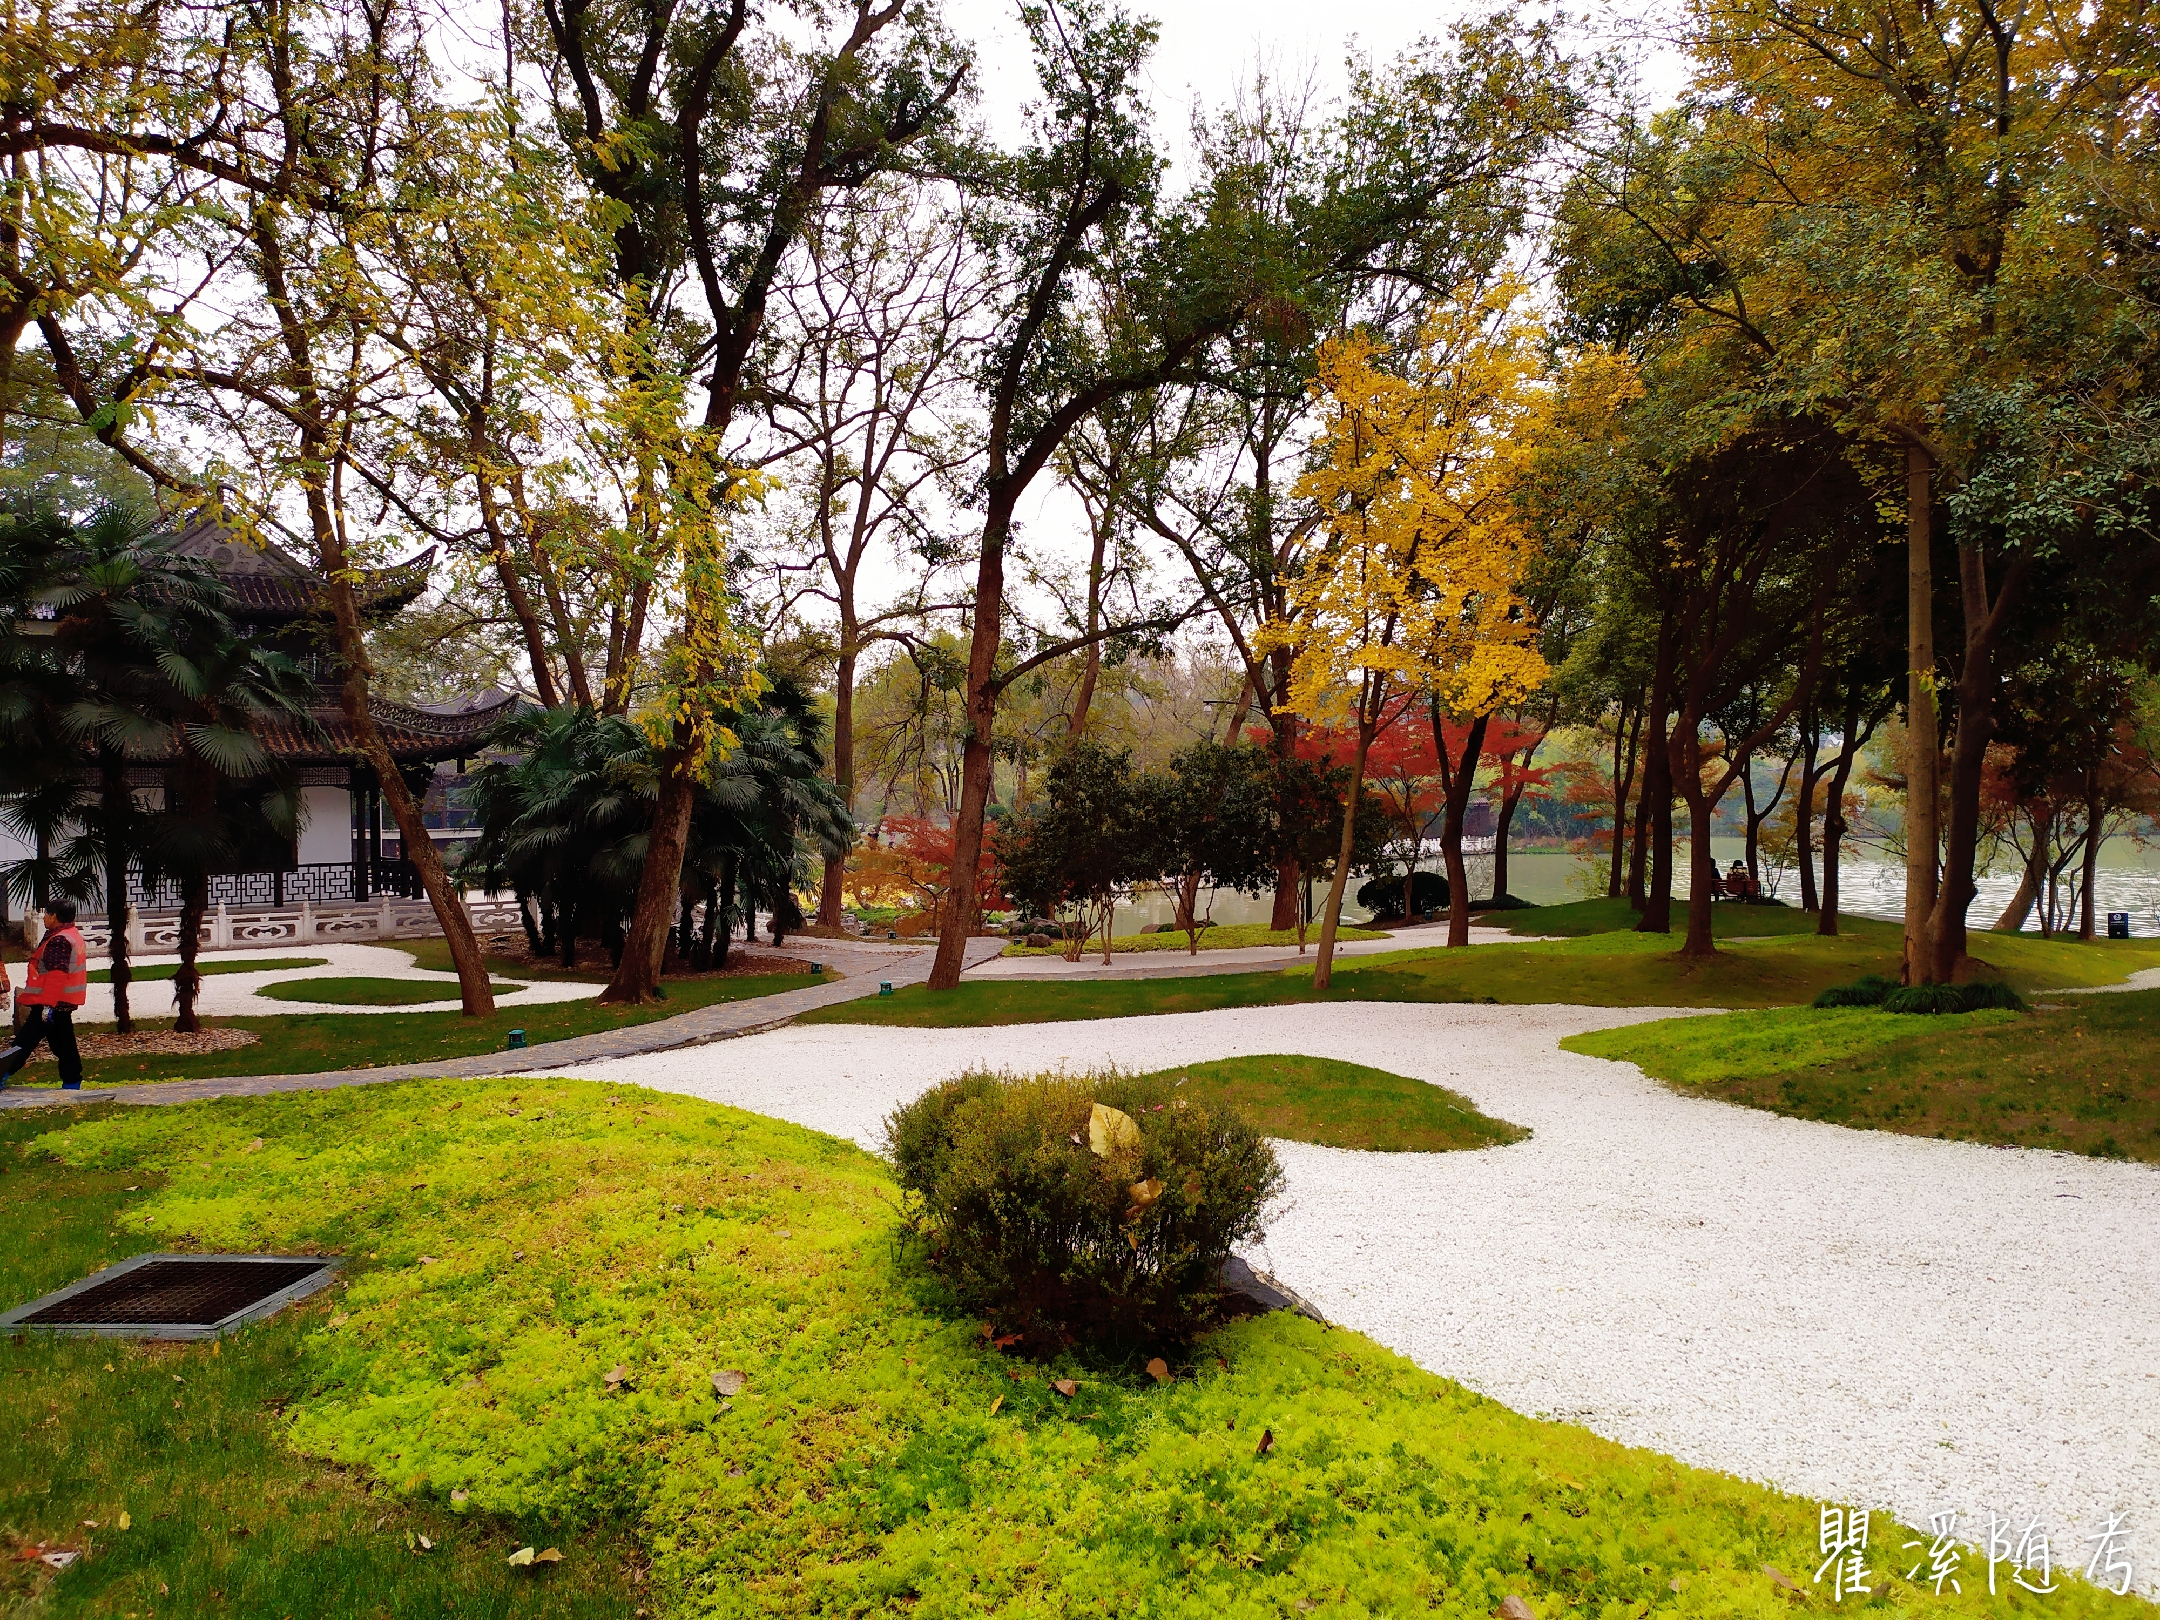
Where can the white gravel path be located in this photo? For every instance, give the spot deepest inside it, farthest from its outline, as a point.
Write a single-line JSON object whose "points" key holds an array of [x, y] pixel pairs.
{"points": [[232, 994], [1854, 1316]]}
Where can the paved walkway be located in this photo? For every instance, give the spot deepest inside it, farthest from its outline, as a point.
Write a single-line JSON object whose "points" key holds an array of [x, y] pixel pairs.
{"points": [[862, 966], [229, 994]]}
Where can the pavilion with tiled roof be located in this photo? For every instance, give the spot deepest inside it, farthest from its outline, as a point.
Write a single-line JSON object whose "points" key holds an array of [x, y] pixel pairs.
{"points": [[341, 854]]}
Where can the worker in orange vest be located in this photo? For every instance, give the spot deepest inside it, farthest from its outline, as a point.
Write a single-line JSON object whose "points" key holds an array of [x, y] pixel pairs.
{"points": [[58, 982]]}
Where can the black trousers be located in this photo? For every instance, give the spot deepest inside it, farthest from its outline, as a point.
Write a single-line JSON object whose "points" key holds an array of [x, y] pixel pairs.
{"points": [[54, 1024]]}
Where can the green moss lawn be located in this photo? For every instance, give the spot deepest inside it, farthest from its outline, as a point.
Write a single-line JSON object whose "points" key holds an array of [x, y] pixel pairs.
{"points": [[1598, 969], [371, 992], [191, 1443], [1225, 937], [308, 1043], [2080, 1074], [1346, 1105], [546, 1276]]}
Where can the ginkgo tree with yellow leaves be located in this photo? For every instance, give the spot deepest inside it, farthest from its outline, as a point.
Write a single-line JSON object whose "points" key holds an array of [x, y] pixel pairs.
{"points": [[1411, 581]]}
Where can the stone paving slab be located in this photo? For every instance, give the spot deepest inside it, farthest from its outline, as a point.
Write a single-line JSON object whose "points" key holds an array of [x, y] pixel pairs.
{"points": [[866, 968]]}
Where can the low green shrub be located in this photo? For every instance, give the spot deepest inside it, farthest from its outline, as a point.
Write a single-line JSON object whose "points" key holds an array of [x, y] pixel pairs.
{"points": [[1093, 1209], [1952, 998], [1866, 991]]}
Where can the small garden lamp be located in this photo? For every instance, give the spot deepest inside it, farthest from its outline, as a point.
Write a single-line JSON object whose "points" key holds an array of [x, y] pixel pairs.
{"points": [[517, 1040]]}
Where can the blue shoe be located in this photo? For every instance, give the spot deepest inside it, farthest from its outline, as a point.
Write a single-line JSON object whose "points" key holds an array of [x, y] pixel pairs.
{"points": [[71, 1085]]}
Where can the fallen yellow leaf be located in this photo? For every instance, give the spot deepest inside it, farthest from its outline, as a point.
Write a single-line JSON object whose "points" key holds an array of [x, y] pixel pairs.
{"points": [[520, 1558], [1110, 1130], [549, 1556], [124, 1520], [994, 1405]]}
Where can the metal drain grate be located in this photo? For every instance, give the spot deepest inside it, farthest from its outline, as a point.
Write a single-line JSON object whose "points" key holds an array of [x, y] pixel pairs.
{"points": [[176, 1296]]}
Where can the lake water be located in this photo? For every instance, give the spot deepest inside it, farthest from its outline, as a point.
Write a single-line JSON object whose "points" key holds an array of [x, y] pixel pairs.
{"points": [[2129, 881]]}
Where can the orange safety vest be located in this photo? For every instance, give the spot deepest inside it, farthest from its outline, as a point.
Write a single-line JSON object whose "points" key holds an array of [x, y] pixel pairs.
{"points": [[59, 971]]}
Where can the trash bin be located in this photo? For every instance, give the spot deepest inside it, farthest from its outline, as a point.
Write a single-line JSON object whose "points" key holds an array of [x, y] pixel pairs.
{"points": [[2118, 925], [884, 987], [517, 1040]]}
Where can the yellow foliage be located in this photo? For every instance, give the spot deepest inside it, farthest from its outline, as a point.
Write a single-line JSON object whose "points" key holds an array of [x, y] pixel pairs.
{"points": [[1413, 580]]}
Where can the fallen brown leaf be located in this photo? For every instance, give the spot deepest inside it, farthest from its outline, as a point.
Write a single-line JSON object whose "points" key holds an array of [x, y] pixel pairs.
{"points": [[1515, 1608], [1159, 1370], [1782, 1579], [547, 1556], [1066, 1387], [1267, 1443], [617, 1375], [728, 1383]]}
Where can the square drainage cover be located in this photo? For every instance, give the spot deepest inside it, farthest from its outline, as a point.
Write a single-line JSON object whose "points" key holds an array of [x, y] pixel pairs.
{"points": [[176, 1296]]}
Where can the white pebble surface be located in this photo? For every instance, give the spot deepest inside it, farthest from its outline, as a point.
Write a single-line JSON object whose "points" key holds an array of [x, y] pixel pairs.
{"points": [[1854, 1316]]}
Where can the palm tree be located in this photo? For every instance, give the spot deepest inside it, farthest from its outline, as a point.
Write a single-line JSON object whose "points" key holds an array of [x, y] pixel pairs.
{"points": [[565, 819], [763, 813], [122, 595], [562, 823]]}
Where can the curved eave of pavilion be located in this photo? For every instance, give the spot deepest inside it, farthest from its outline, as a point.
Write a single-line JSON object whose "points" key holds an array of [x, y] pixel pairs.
{"points": [[414, 735]]}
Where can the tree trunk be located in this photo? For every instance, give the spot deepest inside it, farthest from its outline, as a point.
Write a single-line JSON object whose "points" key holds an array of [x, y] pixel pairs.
{"points": [[1656, 828], [1286, 913], [514, 592], [1686, 767], [830, 894], [117, 810], [1457, 778], [2095, 812], [1330, 919], [1638, 847], [1977, 685], [1849, 746], [1509, 799], [1804, 813], [2014, 915], [1923, 742], [1623, 779], [197, 784], [1091, 661], [976, 763], [187, 980]]}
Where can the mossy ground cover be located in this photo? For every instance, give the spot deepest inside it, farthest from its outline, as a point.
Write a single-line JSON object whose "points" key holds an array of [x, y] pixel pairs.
{"points": [[2081, 1074], [1346, 1105], [1611, 916], [1226, 937], [209, 967], [190, 1442], [546, 1275], [433, 956], [1595, 969], [372, 992], [308, 1043]]}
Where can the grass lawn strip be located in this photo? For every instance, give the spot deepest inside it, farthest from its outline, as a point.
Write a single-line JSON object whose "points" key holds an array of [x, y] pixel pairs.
{"points": [[2080, 1076], [366, 992], [310, 1043], [547, 1274], [1617, 969], [1227, 937], [190, 1442], [211, 966], [1345, 1105]]}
